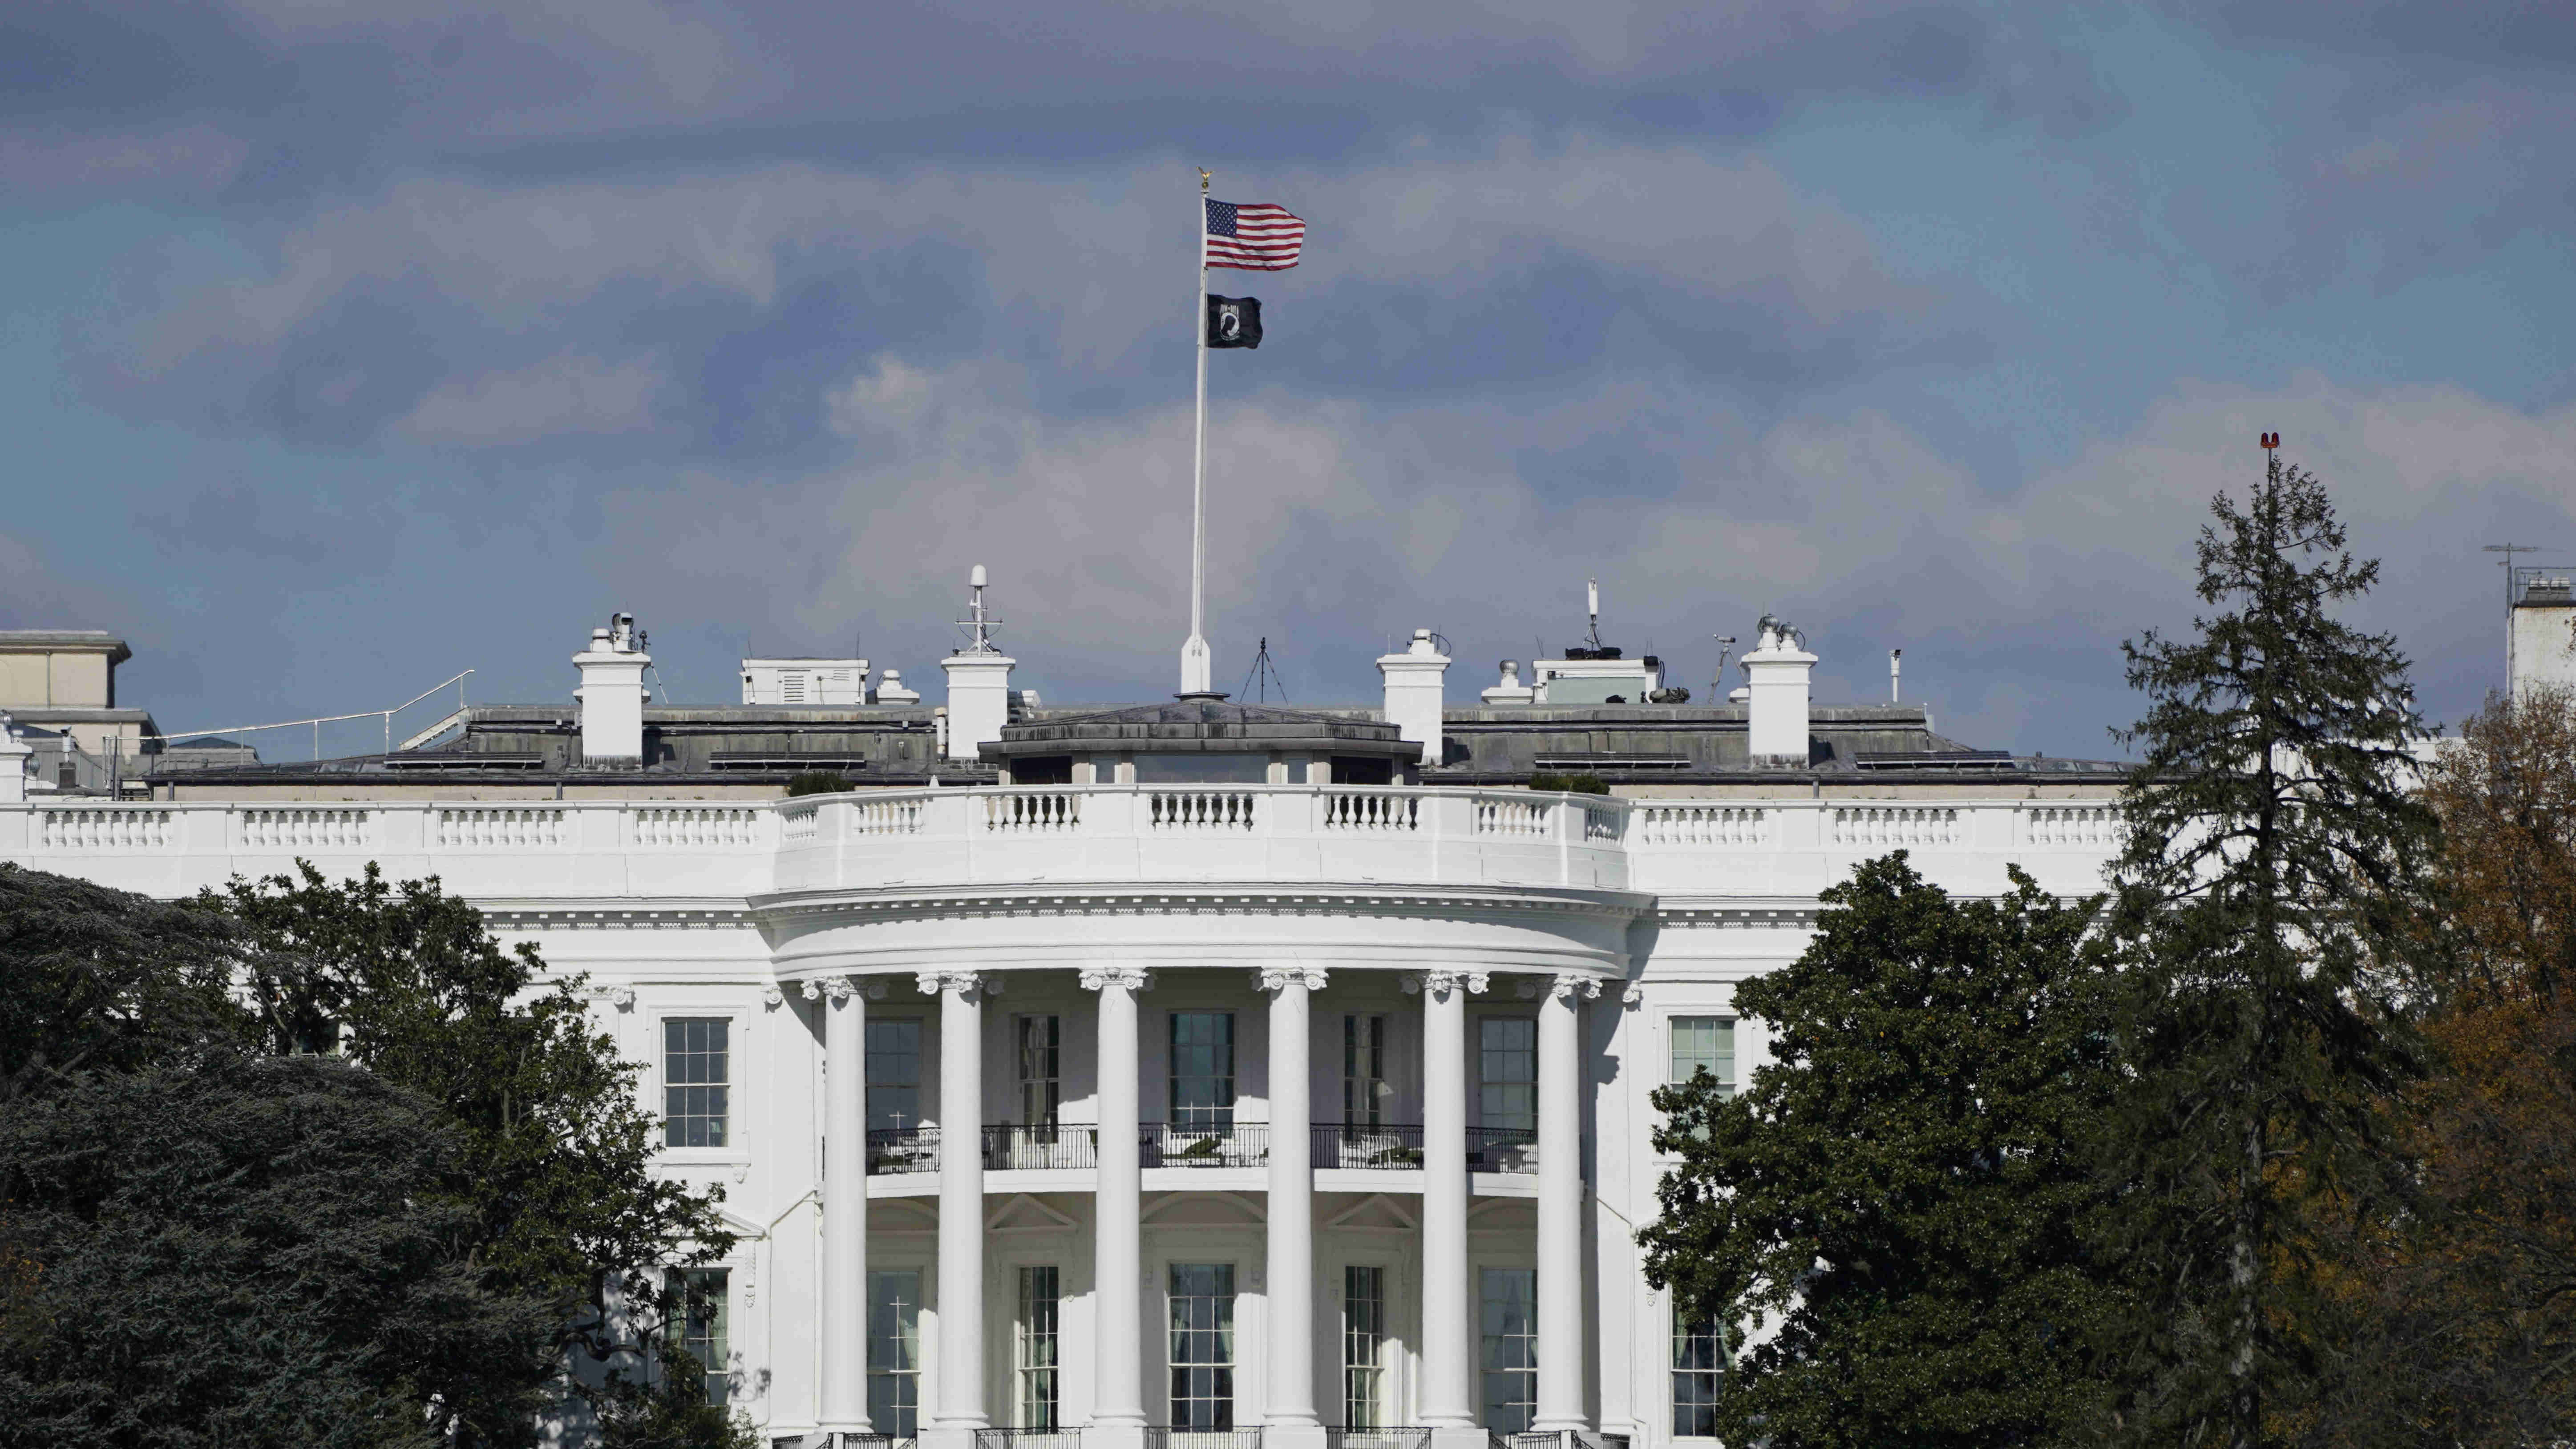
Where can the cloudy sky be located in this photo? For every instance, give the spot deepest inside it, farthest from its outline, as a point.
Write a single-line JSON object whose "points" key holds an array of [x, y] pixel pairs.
{"points": [[344, 346]]}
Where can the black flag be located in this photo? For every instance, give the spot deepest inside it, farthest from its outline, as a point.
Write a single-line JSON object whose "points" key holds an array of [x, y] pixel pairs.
{"points": [[1233, 321]]}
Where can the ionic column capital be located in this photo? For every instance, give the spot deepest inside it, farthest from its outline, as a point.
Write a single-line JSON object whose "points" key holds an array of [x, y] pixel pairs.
{"points": [[1442, 983], [1563, 986], [968, 985], [1279, 978], [1129, 978], [842, 988]]}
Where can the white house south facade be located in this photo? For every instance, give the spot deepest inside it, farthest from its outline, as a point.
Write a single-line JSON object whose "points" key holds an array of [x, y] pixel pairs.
{"points": [[1121, 1075]]}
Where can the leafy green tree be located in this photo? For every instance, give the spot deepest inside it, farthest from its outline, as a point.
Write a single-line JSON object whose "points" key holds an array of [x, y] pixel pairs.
{"points": [[234, 1251], [1889, 1224], [563, 1201], [2274, 846]]}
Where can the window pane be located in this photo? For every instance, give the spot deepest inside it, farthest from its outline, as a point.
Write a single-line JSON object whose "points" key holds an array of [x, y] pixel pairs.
{"points": [[894, 1352], [1203, 1070], [699, 1324], [1699, 1358], [694, 1068], [1704, 1042], [1040, 1062], [1363, 1346], [1507, 1061], [1035, 1347], [1510, 1323], [1202, 1352], [1365, 1092], [894, 1074]]}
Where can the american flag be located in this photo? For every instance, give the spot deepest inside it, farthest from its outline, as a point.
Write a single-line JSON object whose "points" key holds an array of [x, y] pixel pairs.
{"points": [[1253, 237]]}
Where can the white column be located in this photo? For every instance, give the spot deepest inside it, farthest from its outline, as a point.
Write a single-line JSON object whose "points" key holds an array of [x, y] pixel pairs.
{"points": [[959, 1407], [1448, 1397], [1118, 1255], [1560, 1204], [1291, 1420], [845, 1204]]}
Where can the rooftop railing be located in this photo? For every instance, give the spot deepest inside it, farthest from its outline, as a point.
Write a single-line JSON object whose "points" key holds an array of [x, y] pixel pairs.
{"points": [[1395, 1438]]}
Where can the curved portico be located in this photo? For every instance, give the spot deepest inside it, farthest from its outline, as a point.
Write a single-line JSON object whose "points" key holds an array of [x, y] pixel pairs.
{"points": [[1189, 918]]}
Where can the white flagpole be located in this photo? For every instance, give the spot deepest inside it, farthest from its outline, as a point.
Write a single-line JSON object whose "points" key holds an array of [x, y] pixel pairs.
{"points": [[1197, 665]]}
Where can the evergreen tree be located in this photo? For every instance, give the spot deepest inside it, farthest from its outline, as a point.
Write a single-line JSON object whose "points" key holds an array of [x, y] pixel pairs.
{"points": [[233, 1252], [2274, 845], [1889, 1224], [409, 983]]}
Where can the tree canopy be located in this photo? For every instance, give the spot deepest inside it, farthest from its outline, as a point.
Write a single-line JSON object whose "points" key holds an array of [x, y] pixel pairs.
{"points": [[1891, 1218], [443, 1103], [2276, 843]]}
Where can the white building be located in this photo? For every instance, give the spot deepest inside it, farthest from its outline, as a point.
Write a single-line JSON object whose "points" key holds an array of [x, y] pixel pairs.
{"points": [[1190, 1066]]}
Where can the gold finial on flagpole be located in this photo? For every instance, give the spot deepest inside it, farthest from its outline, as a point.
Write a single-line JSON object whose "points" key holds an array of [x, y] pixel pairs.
{"points": [[1203, 178]]}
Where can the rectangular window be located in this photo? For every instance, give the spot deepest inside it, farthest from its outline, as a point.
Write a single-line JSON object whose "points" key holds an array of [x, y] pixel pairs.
{"points": [[1511, 1349], [698, 1321], [1202, 1346], [1365, 1093], [1507, 1073], [1041, 1064], [693, 1082], [1699, 1356], [1033, 1351], [1363, 1346], [1203, 1071], [894, 1075], [1704, 1043], [894, 1352]]}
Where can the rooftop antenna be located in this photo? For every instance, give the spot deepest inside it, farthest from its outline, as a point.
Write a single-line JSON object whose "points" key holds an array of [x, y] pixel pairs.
{"points": [[1263, 675], [1592, 603], [979, 638], [1725, 650], [1895, 662]]}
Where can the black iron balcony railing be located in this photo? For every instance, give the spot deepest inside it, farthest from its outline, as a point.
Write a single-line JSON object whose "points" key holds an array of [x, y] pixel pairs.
{"points": [[1161, 1438], [1028, 1439], [1391, 1147], [844, 1439], [903, 1149], [1184, 1144], [1041, 1148], [1502, 1149], [1557, 1439], [1406, 1437], [1075, 1147]]}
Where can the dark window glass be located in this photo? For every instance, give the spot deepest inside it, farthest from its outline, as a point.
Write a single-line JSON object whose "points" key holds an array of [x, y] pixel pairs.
{"points": [[694, 1082], [1203, 1071], [1202, 1346], [894, 1074]]}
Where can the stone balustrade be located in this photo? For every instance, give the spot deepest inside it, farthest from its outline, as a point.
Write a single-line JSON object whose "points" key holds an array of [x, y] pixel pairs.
{"points": [[1255, 834]]}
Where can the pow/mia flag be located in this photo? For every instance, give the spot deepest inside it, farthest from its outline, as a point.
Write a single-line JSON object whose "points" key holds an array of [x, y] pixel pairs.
{"points": [[1233, 321]]}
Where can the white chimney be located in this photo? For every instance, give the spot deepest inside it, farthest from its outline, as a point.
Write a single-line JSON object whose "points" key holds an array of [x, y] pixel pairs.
{"points": [[15, 758], [1777, 673], [612, 694], [979, 680], [1413, 680], [895, 691]]}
